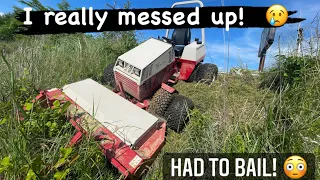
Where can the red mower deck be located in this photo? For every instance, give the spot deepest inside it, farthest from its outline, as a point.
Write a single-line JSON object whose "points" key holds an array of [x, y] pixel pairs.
{"points": [[131, 156]]}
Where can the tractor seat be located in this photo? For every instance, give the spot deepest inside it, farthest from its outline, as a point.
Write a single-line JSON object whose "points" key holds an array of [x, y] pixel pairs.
{"points": [[182, 38]]}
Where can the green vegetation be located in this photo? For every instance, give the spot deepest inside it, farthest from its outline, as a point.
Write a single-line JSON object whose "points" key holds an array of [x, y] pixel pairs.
{"points": [[276, 112], [32, 147]]}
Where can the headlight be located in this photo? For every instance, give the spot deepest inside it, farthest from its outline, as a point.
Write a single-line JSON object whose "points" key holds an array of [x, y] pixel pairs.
{"points": [[120, 63], [136, 71]]}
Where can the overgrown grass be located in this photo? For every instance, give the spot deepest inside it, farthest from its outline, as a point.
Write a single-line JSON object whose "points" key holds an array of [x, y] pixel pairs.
{"points": [[233, 116], [52, 61], [254, 121], [35, 147]]}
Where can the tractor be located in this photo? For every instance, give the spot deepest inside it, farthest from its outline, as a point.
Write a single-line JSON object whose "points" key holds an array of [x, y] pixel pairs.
{"points": [[144, 74], [130, 123]]}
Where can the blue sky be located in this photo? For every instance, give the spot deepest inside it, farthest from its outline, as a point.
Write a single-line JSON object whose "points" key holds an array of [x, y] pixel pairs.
{"points": [[243, 44]]}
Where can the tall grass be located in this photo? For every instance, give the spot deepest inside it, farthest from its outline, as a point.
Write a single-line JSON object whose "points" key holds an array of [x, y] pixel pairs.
{"points": [[35, 147], [54, 61], [275, 113], [261, 118]]}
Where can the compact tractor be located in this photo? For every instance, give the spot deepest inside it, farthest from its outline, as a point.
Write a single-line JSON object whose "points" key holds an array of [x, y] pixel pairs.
{"points": [[130, 122]]}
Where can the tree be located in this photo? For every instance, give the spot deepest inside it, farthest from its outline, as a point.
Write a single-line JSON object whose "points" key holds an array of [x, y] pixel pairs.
{"points": [[129, 37], [64, 5], [8, 22], [36, 5], [8, 25]]}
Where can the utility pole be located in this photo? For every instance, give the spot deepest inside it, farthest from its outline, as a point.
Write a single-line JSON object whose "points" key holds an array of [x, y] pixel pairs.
{"points": [[300, 38]]}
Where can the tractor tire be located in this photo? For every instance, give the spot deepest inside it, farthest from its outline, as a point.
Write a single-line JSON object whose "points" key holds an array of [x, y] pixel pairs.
{"points": [[108, 76], [193, 76], [177, 113], [207, 73], [160, 102]]}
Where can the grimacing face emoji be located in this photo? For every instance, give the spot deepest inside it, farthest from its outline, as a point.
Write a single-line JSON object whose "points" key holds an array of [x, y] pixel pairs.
{"points": [[295, 167], [277, 15]]}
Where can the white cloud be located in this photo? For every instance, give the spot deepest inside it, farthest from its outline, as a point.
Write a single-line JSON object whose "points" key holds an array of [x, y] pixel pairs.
{"points": [[241, 50], [1, 13], [234, 51]]}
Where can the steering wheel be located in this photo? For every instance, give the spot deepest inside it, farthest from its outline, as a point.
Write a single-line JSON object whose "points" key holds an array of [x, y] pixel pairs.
{"points": [[169, 40]]}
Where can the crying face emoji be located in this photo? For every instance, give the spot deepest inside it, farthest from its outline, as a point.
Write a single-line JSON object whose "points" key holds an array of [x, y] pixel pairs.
{"points": [[277, 15]]}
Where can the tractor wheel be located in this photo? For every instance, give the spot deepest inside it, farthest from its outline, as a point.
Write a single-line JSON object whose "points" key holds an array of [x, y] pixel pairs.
{"points": [[160, 102], [207, 73], [193, 76], [108, 76], [177, 113]]}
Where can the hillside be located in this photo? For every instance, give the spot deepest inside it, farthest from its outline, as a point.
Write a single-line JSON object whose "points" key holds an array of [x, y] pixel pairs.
{"points": [[234, 114]]}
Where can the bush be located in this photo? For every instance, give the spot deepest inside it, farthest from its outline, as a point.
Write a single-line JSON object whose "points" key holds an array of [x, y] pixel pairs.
{"points": [[289, 71]]}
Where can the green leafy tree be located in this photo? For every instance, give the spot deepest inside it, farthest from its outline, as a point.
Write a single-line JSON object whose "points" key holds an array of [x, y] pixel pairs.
{"points": [[38, 6], [64, 5], [8, 24], [35, 4], [129, 37]]}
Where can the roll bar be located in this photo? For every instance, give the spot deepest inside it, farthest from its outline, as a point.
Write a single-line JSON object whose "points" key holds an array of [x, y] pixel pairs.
{"points": [[189, 2]]}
